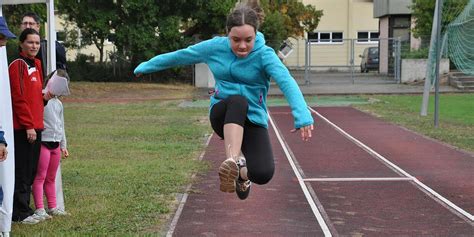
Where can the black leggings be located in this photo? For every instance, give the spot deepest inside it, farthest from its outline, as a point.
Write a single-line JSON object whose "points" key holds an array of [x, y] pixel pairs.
{"points": [[256, 145]]}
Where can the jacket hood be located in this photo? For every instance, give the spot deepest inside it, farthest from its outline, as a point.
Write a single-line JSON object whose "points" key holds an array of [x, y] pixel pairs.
{"points": [[259, 41]]}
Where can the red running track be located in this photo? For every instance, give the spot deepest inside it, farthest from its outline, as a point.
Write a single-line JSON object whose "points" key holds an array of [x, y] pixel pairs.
{"points": [[373, 207]]}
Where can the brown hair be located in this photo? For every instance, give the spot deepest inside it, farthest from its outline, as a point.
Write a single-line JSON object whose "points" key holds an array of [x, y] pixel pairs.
{"points": [[26, 32], [242, 15], [255, 5]]}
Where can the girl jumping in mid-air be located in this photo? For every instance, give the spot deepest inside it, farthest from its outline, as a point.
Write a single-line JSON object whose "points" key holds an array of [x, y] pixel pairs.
{"points": [[242, 66]]}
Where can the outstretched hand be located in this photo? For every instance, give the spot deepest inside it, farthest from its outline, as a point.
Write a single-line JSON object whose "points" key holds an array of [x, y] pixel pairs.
{"points": [[305, 132]]}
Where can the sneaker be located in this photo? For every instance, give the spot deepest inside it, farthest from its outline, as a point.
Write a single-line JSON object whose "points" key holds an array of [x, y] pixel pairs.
{"points": [[228, 173], [242, 187], [57, 212], [41, 214], [30, 220]]}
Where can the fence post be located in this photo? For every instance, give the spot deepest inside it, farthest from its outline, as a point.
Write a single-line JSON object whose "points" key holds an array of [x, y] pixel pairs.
{"points": [[306, 62], [352, 60]]}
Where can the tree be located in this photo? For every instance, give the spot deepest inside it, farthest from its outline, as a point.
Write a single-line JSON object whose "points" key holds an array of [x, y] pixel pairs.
{"points": [[290, 18], [94, 23], [13, 15], [423, 12], [144, 28], [210, 19]]}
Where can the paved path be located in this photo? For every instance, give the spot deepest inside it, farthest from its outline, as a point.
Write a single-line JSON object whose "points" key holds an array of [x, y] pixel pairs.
{"points": [[343, 84], [358, 176]]}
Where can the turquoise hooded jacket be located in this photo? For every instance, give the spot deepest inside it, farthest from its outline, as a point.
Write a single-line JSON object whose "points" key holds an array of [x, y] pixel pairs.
{"points": [[249, 76]]}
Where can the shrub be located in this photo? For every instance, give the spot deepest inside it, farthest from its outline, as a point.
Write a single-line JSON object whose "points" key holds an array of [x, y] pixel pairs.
{"points": [[416, 54]]}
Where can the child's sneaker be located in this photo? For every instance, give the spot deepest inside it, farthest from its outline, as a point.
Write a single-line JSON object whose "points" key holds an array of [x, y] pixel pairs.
{"points": [[57, 212], [30, 220], [228, 173], [41, 214]]}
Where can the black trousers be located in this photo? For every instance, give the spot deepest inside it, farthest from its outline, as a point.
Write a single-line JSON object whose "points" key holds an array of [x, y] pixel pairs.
{"points": [[26, 163], [256, 146]]}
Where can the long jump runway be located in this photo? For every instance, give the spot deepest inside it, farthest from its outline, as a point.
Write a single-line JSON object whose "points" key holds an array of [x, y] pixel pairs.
{"points": [[357, 176]]}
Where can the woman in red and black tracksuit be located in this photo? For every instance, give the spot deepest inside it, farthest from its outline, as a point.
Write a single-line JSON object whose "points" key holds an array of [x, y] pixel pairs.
{"points": [[26, 82]]}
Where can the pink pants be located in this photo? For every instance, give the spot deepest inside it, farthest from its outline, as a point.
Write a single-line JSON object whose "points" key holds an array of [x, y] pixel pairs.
{"points": [[46, 177]]}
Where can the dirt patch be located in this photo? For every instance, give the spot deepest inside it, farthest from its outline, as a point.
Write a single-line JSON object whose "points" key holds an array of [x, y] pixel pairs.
{"points": [[99, 92]]}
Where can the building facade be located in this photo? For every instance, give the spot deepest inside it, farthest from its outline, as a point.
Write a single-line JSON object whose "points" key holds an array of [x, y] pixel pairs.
{"points": [[344, 31], [395, 23], [90, 51]]}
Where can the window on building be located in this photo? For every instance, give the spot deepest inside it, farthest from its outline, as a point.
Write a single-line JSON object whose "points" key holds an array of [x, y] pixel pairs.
{"points": [[367, 37], [400, 27], [337, 37], [325, 37], [401, 22]]}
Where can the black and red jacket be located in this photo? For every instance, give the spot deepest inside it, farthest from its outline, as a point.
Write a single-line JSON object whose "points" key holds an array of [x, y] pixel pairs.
{"points": [[26, 84]]}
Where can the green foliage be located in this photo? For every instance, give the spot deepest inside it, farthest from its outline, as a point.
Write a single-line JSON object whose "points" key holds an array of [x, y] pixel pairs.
{"points": [[423, 11], [210, 19], [285, 19], [145, 28], [274, 29], [416, 54], [94, 23], [14, 13]]}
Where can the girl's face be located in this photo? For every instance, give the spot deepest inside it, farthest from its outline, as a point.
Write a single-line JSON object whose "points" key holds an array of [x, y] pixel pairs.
{"points": [[242, 40], [31, 45]]}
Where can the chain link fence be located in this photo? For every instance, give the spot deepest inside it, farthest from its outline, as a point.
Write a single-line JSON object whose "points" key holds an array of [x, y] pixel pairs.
{"points": [[349, 57]]}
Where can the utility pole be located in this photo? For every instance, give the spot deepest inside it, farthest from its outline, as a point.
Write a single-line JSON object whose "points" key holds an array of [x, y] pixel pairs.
{"points": [[438, 59], [429, 69]]}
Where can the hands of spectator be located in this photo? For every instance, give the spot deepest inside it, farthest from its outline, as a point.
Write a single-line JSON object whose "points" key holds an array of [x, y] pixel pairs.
{"points": [[47, 96], [3, 152], [31, 135], [65, 153]]}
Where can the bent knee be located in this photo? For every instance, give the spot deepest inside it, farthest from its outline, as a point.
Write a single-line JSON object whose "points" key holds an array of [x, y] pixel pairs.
{"points": [[261, 176]]}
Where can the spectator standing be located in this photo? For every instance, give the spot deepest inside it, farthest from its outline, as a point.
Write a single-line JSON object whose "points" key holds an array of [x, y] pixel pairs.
{"points": [[52, 145], [33, 21], [26, 83]]}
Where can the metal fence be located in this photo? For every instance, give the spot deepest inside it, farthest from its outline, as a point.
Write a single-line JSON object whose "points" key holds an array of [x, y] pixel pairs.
{"points": [[346, 56]]}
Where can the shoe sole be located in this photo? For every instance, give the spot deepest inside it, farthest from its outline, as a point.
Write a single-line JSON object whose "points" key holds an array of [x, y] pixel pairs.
{"points": [[228, 173]]}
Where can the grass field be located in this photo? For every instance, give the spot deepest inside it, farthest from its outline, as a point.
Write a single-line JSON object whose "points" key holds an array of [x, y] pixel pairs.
{"points": [[135, 146], [128, 160]]}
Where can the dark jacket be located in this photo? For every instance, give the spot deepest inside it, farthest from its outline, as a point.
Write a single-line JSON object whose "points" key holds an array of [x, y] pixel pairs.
{"points": [[43, 56]]}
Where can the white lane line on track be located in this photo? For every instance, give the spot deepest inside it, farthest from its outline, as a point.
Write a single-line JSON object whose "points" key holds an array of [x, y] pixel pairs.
{"points": [[380, 157], [183, 200], [357, 179], [306, 192]]}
